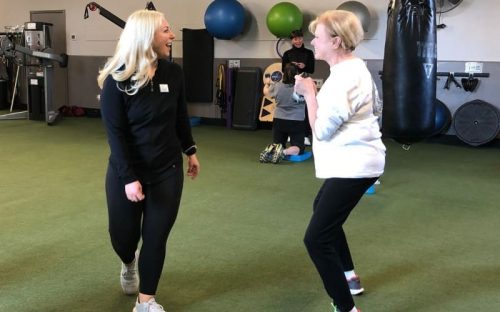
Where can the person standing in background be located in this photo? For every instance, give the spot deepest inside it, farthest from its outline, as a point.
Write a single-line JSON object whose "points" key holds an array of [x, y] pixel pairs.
{"points": [[145, 115], [348, 150], [303, 58], [298, 55]]}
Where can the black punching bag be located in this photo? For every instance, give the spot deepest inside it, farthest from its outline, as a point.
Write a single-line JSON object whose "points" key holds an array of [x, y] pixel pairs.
{"points": [[409, 71]]}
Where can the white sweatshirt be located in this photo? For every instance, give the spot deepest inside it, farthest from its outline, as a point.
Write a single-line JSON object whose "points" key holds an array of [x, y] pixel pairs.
{"points": [[347, 139]]}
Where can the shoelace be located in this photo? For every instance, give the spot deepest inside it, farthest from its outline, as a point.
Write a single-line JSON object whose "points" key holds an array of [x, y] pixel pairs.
{"points": [[129, 273], [156, 306]]}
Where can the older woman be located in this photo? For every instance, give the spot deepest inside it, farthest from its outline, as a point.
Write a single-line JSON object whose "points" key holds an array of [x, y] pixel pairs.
{"points": [[348, 151]]}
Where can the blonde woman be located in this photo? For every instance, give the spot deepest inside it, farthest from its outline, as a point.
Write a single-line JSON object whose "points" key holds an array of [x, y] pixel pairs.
{"points": [[145, 115], [348, 151]]}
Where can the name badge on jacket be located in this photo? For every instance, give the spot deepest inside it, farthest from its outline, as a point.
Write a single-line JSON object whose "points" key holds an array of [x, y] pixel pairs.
{"points": [[164, 87]]}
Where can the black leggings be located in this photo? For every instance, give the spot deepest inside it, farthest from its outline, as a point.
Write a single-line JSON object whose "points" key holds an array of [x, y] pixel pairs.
{"points": [[284, 128], [325, 238], [153, 218]]}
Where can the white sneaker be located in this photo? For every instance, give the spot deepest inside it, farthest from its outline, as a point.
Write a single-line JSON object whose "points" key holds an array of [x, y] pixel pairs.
{"points": [[150, 306], [307, 141], [129, 277]]}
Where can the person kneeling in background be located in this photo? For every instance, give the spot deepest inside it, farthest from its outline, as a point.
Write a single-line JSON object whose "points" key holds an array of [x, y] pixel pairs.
{"points": [[288, 118]]}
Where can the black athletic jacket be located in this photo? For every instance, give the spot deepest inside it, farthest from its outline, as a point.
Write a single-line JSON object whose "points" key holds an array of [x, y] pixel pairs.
{"points": [[147, 132]]}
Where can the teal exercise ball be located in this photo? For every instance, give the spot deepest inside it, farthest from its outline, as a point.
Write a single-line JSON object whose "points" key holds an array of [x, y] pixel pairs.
{"points": [[283, 18], [225, 19], [360, 10]]}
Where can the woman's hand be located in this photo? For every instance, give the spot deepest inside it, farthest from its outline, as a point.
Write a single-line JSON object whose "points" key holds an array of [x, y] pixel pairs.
{"points": [[193, 168], [299, 65], [134, 192], [268, 86], [305, 86]]}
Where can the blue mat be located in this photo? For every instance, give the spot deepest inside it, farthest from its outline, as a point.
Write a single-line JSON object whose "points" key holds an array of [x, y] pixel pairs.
{"points": [[297, 158], [370, 190], [195, 121]]}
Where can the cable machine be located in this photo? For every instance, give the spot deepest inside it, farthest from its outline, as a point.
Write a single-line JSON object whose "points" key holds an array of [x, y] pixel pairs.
{"points": [[93, 6], [33, 52]]}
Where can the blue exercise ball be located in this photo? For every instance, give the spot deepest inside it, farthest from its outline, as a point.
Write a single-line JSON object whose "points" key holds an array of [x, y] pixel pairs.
{"points": [[225, 19], [360, 10], [283, 18]]}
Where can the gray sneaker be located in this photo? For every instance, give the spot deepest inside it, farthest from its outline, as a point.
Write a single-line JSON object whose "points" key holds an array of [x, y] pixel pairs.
{"points": [[150, 306], [355, 286], [129, 277]]}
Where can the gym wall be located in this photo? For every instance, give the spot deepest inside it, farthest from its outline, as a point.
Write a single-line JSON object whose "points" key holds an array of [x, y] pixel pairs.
{"points": [[95, 39]]}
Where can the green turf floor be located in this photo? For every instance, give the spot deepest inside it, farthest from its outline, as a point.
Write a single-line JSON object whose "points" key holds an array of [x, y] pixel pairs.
{"points": [[427, 240]]}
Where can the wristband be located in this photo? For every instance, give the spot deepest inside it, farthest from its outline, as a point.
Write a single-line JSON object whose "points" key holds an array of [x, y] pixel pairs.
{"points": [[191, 150]]}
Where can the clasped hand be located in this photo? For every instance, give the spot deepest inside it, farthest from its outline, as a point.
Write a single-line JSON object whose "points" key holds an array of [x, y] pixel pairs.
{"points": [[134, 192], [299, 65], [304, 86]]}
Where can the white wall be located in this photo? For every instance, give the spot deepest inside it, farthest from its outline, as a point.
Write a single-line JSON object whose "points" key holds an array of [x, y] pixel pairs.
{"points": [[470, 36]]}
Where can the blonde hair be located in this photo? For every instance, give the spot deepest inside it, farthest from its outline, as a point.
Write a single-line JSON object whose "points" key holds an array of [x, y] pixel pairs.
{"points": [[134, 55], [343, 24]]}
